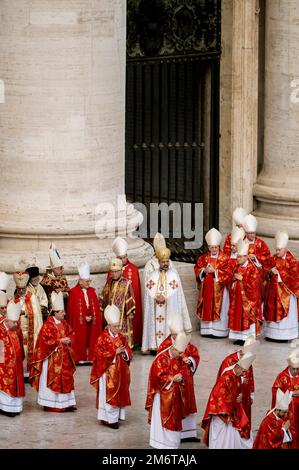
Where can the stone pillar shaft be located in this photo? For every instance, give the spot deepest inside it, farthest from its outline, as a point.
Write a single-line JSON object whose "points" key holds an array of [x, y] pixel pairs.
{"points": [[277, 188], [62, 127]]}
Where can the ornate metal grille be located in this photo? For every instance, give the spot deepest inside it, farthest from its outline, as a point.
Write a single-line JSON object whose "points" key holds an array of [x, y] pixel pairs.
{"points": [[172, 101]]}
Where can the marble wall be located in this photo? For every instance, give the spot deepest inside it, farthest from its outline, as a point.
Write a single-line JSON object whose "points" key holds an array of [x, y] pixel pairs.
{"points": [[62, 131]]}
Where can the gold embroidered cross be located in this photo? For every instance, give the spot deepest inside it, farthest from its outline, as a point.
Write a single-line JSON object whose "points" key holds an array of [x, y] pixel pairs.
{"points": [[150, 284], [173, 284], [159, 334], [160, 318]]}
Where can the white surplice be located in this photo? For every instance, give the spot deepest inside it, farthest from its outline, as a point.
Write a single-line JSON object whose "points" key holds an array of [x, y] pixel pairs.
{"points": [[225, 436]]}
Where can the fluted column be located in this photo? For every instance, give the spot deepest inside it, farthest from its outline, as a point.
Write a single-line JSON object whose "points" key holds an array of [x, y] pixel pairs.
{"points": [[277, 188], [238, 106], [62, 128]]}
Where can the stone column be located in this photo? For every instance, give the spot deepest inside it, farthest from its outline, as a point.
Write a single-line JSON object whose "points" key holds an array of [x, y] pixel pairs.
{"points": [[238, 107], [277, 188], [62, 128]]}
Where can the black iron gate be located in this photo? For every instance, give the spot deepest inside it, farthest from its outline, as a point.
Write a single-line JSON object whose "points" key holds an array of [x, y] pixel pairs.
{"points": [[172, 106]]}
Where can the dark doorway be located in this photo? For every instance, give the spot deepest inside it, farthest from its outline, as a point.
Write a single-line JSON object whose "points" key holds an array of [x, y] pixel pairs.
{"points": [[172, 107]]}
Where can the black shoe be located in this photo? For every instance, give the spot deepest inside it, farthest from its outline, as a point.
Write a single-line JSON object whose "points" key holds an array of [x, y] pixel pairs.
{"points": [[239, 342], [277, 340], [113, 425], [153, 353], [110, 425], [9, 414], [26, 380], [71, 408], [190, 439]]}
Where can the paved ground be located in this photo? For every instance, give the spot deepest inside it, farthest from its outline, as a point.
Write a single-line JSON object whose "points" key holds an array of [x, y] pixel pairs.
{"points": [[35, 428]]}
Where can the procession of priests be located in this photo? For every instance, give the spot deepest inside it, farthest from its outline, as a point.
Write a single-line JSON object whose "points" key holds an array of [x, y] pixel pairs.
{"points": [[51, 326]]}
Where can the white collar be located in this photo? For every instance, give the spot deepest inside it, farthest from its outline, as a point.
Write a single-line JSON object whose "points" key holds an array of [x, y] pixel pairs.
{"points": [[292, 376], [245, 264], [111, 334], [56, 321]]}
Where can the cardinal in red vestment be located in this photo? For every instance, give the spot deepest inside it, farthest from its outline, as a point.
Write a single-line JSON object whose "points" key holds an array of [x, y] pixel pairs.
{"points": [[288, 379], [239, 215], [119, 291], [213, 276], [84, 316], [247, 378], [281, 293], [110, 372], [259, 252], [191, 359], [130, 272], [236, 235], [225, 422], [53, 367], [166, 395], [12, 388], [245, 309], [274, 431]]}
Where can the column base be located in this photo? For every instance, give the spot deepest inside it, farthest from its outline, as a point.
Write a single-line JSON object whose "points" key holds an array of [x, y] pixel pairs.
{"points": [[17, 251]]}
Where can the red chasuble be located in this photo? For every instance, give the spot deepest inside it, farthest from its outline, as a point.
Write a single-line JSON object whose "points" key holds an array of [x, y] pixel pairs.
{"points": [[86, 333], [260, 249], [227, 245], [245, 306], [270, 434], [188, 385], [172, 399], [130, 272], [117, 373], [11, 363], [285, 382], [247, 388], [277, 295], [61, 366], [223, 403], [211, 292]]}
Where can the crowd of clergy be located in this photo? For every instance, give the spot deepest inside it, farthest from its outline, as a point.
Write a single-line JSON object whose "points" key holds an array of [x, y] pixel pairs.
{"points": [[245, 294]]}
